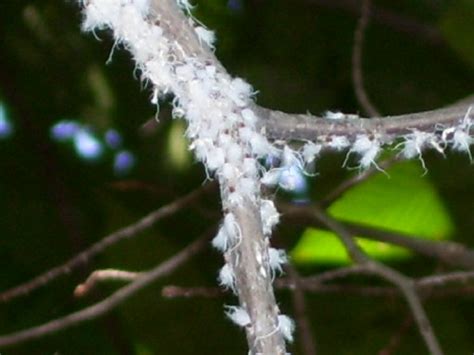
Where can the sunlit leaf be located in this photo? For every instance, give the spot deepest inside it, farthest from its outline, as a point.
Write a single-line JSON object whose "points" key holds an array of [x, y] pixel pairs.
{"points": [[406, 202]]}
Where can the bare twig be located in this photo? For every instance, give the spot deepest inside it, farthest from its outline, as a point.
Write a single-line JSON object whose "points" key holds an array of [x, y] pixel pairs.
{"points": [[313, 285], [448, 252], [105, 306], [308, 345], [357, 71], [285, 126], [104, 275], [172, 291], [403, 283], [111, 239]]}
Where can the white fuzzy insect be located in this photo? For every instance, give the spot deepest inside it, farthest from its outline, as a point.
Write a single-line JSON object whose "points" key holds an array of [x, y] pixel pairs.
{"points": [[260, 146], [462, 142], [413, 145], [291, 157], [185, 5], [248, 116], [227, 277], [238, 315], [271, 177], [99, 14], [330, 115], [143, 6], [311, 151], [232, 227], [368, 149], [234, 153], [269, 215], [286, 325], [250, 167], [240, 92], [216, 159], [338, 143], [276, 259], [291, 178], [206, 36], [247, 187]]}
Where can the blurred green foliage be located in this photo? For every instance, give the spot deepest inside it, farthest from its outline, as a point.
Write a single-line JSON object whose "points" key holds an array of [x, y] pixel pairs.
{"points": [[401, 201], [297, 54]]}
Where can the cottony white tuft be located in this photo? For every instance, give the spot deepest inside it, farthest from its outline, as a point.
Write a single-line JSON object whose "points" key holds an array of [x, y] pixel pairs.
{"points": [[277, 257], [238, 315], [227, 277], [286, 326]]}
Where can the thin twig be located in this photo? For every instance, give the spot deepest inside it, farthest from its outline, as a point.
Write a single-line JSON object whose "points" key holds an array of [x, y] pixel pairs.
{"points": [[450, 253], [172, 291], [305, 335], [105, 306], [403, 283], [357, 71], [82, 258], [307, 284], [104, 275]]}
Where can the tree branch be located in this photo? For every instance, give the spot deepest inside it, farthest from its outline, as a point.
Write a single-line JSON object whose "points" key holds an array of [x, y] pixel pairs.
{"points": [[104, 275], [248, 259], [357, 76], [82, 258], [305, 127], [448, 252], [105, 306], [308, 345], [403, 283]]}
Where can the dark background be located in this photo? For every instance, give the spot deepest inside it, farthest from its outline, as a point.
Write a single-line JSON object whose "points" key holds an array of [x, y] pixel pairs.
{"points": [[297, 54]]}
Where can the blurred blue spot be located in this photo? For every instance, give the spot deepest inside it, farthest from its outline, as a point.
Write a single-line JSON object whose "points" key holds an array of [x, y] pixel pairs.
{"points": [[123, 162], [293, 180], [64, 130], [113, 139], [272, 161], [234, 5], [6, 127], [86, 145]]}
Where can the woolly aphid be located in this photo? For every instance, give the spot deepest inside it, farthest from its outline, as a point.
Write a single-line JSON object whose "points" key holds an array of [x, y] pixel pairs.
{"points": [[227, 277], [229, 234], [286, 325], [276, 259], [368, 150], [269, 215], [238, 315], [206, 36]]}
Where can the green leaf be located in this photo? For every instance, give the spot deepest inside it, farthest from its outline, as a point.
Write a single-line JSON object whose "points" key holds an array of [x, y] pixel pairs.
{"points": [[406, 202], [457, 25]]}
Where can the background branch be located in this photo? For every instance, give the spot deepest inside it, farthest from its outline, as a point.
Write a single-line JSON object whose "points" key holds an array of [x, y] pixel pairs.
{"points": [[357, 71], [450, 253], [82, 258], [403, 283], [104, 275], [112, 301]]}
